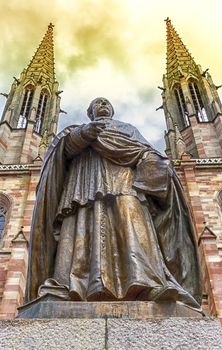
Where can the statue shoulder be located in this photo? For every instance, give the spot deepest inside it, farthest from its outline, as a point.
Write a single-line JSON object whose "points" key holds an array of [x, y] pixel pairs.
{"points": [[64, 133], [123, 125], [56, 142]]}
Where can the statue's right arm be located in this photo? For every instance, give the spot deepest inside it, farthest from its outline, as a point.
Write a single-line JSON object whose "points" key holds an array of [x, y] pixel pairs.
{"points": [[75, 142], [80, 137]]}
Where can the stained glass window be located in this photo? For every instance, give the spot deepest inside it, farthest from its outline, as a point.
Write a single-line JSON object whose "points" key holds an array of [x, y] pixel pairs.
{"points": [[2, 220]]}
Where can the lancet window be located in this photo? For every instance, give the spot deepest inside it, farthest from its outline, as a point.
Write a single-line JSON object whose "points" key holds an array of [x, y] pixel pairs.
{"points": [[41, 111], [181, 106], [4, 212], [197, 101], [26, 106], [2, 220]]}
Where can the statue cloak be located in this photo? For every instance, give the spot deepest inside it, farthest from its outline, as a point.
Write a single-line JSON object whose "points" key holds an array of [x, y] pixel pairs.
{"points": [[155, 191]]}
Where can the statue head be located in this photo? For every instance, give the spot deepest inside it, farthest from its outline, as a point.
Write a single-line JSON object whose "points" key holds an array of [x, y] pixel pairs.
{"points": [[100, 107]]}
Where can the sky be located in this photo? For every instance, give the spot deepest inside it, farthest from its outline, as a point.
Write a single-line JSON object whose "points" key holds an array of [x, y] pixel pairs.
{"points": [[110, 48]]}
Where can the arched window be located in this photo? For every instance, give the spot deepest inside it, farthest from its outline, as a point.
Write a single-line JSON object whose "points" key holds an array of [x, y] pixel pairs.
{"points": [[2, 220], [26, 106], [197, 101], [181, 105], [41, 111], [4, 213]]}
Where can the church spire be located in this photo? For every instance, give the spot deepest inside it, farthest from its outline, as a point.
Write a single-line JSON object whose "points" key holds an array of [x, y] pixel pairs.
{"points": [[41, 67], [191, 100], [32, 106], [179, 61]]}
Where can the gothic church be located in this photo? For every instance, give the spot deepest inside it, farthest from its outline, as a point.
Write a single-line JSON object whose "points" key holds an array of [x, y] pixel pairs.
{"points": [[193, 113]]}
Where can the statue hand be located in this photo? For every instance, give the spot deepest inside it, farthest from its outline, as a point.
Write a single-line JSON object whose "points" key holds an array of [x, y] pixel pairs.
{"points": [[92, 130]]}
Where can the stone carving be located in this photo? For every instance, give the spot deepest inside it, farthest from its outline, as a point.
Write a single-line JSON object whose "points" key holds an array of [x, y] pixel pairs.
{"points": [[111, 222], [201, 161], [14, 167]]}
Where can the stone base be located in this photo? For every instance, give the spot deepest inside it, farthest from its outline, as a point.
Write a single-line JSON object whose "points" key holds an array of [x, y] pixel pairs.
{"points": [[48, 308], [112, 334]]}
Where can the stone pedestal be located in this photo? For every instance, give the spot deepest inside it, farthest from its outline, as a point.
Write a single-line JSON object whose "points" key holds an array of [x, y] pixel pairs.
{"points": [[56, 324], [112, 334], [48, 308]]}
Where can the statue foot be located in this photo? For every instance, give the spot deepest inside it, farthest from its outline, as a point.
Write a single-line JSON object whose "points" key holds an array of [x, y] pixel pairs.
{"points": [[53, 288], [164, 294]]}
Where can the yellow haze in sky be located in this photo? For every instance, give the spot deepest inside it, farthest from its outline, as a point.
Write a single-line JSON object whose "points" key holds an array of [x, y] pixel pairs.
{"points": [[114, 48]]}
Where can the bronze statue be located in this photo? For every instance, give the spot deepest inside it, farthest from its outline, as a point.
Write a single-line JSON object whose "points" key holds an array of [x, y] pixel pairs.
{"points": [[111, 221]]}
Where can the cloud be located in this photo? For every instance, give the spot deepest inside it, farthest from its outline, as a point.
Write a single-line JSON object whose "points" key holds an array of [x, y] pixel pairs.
{"points": [[92, 35], [115, 49]]}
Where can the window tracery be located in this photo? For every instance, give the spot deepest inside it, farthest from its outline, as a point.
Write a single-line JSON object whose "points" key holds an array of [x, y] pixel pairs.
{"points": [[181, 105], [5, 205], [26, 106], [197, 101], [40, 114]]}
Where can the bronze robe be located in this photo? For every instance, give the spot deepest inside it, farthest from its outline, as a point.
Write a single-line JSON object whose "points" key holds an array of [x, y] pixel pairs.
{"points": [[111, 221]]}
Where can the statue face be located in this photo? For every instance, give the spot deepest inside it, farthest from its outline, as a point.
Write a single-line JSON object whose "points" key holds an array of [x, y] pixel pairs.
{"points": [[101, 108]]}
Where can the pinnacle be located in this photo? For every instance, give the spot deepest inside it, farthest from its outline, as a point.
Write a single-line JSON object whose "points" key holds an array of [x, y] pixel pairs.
{"points": [[41, 66], [178, 135], [179, 60]]}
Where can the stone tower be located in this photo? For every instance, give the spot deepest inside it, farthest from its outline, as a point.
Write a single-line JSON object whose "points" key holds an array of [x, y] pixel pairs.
{"points": [[32, 107], [191, 104], [28, 123], [193, 113]]}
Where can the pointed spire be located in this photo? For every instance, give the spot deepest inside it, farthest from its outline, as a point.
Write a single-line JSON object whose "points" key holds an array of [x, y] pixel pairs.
{"points": [[179, 61], [41, 68]]}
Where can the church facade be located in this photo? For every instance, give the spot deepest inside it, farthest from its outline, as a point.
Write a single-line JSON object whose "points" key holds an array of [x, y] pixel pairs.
{"points": [[28, 124], [193, 113]]}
